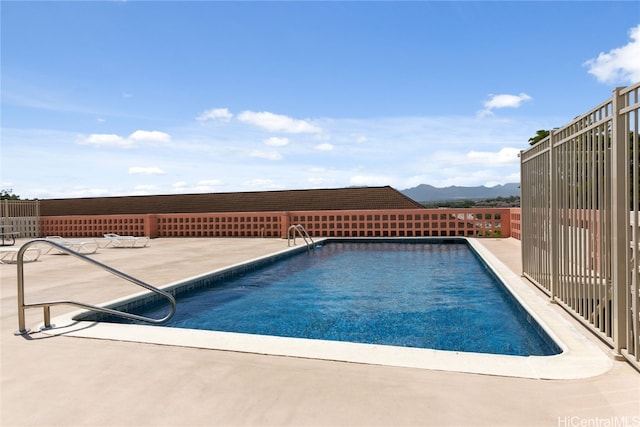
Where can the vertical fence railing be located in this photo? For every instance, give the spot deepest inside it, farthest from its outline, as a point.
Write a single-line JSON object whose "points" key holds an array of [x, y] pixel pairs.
{"points": [[535, 211], [629, 118], [23, 216], [580, 226]]}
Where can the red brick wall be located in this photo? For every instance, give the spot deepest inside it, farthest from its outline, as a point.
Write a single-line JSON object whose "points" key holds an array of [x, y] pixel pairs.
{"points": [[405, 223], [243, 224], [515, 223], [344, 223], [96, 225]]}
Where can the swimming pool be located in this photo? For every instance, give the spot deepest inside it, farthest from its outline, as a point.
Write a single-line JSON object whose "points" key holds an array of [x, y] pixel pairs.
{"points": [[423, 293], [580, 357]]}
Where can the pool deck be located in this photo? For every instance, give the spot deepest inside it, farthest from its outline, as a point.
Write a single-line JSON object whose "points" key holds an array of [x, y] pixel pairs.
{"points": [[61, 380]]}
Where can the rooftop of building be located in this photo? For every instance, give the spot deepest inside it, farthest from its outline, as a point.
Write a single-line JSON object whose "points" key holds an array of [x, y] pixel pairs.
{"points": [[351, 198]]}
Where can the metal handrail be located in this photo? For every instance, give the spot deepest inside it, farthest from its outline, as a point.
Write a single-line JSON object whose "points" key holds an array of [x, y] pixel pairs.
{"points": [[303, 233], [47, 305], [306, 236]]}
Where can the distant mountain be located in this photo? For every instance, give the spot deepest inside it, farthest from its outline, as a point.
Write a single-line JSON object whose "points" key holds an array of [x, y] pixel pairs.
{"points": [[427, 193]]}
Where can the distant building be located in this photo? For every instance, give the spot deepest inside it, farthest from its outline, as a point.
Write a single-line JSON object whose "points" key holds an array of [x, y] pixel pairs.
{"points": [[341, 212], [352, 198]]}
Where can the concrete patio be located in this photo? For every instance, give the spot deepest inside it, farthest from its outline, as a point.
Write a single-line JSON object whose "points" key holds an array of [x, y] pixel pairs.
{"points": [[60, 380]]}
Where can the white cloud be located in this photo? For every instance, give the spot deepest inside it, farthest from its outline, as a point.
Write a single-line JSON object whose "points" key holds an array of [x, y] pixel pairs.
{"points": [[113, 140], [619, 65], [276, 142], [400, 151], [143, 190], [277, 123], [105, 140], [503, 101], [86, 192], [370, 180], [141, 170], [202, 186], [217, 114], [317, 181], [209, 182], [262, 184], [324, 147], [150, 136], [269, 155], [505, 156]]}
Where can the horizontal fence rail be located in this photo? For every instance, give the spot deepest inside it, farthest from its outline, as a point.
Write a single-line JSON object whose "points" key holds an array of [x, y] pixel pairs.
{"points": [[580, 205]]}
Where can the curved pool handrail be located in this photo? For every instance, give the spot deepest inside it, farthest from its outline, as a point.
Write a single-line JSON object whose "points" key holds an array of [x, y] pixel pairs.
{"points": [[47, 305], [303, 233]]}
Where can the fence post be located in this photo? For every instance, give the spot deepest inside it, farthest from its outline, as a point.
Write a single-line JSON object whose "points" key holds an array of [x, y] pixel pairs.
{"points": [[553, 217], [619, 224], [522, 207]]}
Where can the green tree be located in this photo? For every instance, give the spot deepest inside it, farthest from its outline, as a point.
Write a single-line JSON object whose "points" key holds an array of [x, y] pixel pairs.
{"points": [[540, 135], [7, 194]]}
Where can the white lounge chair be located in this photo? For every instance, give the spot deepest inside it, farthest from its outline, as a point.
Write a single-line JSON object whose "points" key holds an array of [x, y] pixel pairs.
{"points": [[82, 247], [10, 255], [118, 241]]}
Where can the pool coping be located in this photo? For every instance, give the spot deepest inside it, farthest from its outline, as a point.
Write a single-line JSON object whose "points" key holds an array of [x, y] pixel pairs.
{"points": [[580, 358]]}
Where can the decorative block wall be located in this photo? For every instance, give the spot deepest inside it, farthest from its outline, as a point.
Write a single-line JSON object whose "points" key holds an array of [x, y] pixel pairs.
{"points": [[515, 223], [485, 222]]}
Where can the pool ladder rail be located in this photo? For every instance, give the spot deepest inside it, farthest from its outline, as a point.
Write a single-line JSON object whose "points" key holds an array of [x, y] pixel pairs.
{"points": [[300, 230], [23, 330]]}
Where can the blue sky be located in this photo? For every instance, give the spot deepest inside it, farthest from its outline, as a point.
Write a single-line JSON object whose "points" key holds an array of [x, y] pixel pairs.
{"points": [[141, 97]]}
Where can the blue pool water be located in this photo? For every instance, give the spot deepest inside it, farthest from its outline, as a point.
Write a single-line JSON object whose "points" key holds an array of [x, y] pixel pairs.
{"points": [[413, 294]]}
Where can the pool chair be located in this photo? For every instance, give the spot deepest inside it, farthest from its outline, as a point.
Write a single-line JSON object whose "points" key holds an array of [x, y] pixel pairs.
{"points": [[118, 241], [82, 247], [10, 255]]}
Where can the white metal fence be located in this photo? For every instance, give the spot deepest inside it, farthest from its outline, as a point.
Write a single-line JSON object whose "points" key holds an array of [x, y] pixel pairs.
{"points": [[22, 216], [581, 219]]}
